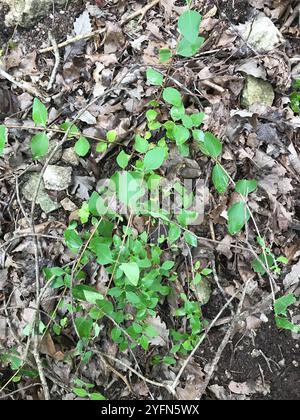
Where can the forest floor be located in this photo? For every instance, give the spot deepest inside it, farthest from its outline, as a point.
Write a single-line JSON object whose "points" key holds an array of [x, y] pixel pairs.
{"points": [[259, 360]]}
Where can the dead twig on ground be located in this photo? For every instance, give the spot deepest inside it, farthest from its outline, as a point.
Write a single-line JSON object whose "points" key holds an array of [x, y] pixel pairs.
{"points": [[25, 86], [57, 61], [72, 40], [141, 12]]}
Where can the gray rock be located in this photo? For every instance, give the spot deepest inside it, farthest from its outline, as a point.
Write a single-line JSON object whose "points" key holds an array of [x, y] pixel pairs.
{"points": [[26, 12], [57, 178], [261, 33], [203, 291], [69, 156], [57, 156], [191, 169], [43, 199], [257, 91]]}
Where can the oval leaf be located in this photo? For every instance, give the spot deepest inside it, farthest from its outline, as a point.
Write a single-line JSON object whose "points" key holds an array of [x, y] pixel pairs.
{"points": [[246, 187], [132, 272], [154, 159], [172, 96], [238, 216], [82, 146], [3, 138], [154, 77], [220, 179], [39, 113], [39, 145], [189, 24]]}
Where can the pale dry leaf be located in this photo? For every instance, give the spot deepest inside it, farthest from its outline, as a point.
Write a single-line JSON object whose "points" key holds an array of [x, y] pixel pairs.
{"points": [[161, 327], [82, 24], [293, 277]]}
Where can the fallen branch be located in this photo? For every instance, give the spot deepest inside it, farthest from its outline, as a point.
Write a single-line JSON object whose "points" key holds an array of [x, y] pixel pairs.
{"points": [[141, 12], [57, 61], [27, 87], [72, 40]]}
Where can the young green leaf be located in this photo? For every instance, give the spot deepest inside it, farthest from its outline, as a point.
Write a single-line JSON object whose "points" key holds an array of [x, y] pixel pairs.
{"points": [[80, 392], [174, 233], [84, 326], [238, 216], [3, 138], [101, 147], [132, 272], [191, 239], [73, 240], [284, 324], [39, 145], [189, 24], [123, 159], [246, 187], [111, 136], [82, 146], [154, 159], [220, 179], [177, 113], [181, 134], [39, 113], [263, 261], [198, 118], [154, 77], [282, 304], [151, 115], [172, 96], [141, 145], [73, 130], [211, 145], [164, 55], [186, 49]]}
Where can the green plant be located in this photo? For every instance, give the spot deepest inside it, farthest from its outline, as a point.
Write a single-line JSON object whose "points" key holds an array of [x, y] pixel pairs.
{"points": [[295, 97], [281, 306]]}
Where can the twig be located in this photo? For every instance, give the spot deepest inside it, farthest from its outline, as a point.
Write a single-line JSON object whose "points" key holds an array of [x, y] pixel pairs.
{"points": [[141, 12], [223, 345], [57, 61], [19, 390], [172, 388], [28, 87], [72, 40], [139, 375]]}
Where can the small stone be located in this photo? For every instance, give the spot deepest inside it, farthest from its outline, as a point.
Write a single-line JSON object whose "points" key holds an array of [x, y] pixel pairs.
{"points": [[257, 91], [190, 173], [43, 199], [69, 156], [57, 178], [68, 205], [261, 34], [203, 291], [58, 154], [26, 12]]}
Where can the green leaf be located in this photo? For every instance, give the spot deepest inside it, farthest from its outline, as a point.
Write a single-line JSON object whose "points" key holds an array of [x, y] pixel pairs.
{"points": [[164, 55], [3, 138], [174, 233], [181, 134], [186, 49], [141, 145], [263, 261], [82, 146], [282, 304], [132, 272], [154, 77], [39, 113], [177, 113], [198, 119], [191, 239], [87, 294], [285, 324], [172, 96], [151, 115], [101, 147], [84, 213], [123, 159], [84, 326], [189, 24], [238, 216], [96, 396], [39, 145], [73, 130], [187, 121], [80, 392], [111, 136], [220, 179], [246, 187], [73, 240], [154, 159], [211, 145]]}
